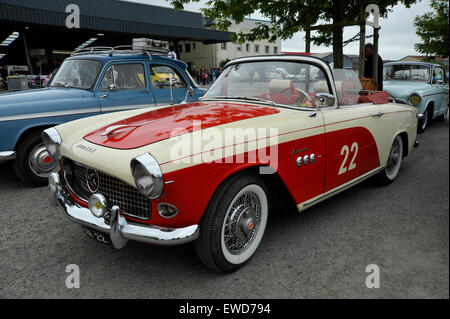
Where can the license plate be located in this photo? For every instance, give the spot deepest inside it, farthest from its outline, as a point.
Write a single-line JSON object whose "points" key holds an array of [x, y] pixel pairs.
{"points": [[98, 236]]}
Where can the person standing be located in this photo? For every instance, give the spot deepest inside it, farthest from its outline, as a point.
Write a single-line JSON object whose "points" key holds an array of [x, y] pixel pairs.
{"points": [[368, 66]]}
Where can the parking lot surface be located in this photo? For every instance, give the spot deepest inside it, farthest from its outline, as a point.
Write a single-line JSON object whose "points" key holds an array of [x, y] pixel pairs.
{"points": [[323, 252]]}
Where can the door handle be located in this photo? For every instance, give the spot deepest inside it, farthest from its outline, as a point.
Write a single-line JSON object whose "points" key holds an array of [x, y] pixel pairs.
{"points": [[379, 114]]}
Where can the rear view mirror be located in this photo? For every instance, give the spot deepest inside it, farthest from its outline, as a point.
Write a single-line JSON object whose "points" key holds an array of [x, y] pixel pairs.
{"points": [[326, 99]]}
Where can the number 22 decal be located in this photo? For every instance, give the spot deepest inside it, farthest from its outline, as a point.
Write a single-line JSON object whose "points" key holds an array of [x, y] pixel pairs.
{"points": [[345, 151]]}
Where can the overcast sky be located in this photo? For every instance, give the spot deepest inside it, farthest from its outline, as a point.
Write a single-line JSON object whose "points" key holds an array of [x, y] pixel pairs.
{"points": [[397, 34]]}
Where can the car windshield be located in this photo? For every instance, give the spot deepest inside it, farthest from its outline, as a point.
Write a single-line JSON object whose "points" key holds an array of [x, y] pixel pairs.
{"points": [[271, 82], [406, 72], [79, 74]]}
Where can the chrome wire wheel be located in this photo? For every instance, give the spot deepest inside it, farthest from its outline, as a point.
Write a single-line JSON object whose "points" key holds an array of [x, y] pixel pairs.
{"points": [[40, 162], [244, 224], [394, 160]]}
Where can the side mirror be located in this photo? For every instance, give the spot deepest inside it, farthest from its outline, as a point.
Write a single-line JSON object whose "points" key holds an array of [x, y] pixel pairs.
{"points": [[189, 92], [326, 99], [111, 88]]}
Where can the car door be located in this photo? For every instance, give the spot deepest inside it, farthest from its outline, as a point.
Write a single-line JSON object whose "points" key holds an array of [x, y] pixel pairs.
{"points": [[124, 86], [168, 84], [351, 134], [441, 84]]}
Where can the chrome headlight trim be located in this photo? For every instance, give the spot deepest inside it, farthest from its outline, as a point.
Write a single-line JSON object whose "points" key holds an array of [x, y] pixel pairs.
{"points": [[52, 140], [147, 176]]}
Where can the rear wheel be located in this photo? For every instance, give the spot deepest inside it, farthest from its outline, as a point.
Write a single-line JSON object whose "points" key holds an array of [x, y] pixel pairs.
{"points": [[444, 116], [394, 161], [33, 164], [234, 223]]}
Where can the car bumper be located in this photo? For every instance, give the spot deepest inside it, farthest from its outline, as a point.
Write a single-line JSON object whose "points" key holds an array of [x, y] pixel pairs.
{"points": [[119, 230], [7, 155]]}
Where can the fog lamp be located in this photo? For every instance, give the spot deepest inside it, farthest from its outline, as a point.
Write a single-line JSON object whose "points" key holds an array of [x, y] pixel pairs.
{"points": [[167, 210], [97, 205]]}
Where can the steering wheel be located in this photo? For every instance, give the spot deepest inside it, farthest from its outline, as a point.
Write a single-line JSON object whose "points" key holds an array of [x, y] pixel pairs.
{"points": [[306, 95]]}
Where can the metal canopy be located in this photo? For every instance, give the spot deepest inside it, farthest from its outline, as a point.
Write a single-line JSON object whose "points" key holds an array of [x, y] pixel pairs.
{"points": [[112, 17]]}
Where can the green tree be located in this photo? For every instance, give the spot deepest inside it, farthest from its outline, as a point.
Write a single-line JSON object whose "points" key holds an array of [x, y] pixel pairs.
{"points": [[290, 16], [433, 28]]}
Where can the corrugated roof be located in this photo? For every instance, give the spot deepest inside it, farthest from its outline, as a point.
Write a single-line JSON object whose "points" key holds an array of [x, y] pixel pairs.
{"points": [[116, 16]]}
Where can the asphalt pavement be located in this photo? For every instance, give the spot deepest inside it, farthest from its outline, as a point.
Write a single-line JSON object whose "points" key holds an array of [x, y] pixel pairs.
{"points": [[323, 252]]}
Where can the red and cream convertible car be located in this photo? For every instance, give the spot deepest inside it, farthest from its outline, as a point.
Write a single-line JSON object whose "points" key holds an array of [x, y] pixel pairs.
{"points": [[209, 171]]}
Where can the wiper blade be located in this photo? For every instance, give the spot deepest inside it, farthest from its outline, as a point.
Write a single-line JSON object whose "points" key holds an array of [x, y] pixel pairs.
{"points": [[246, 98], [60, 84]]}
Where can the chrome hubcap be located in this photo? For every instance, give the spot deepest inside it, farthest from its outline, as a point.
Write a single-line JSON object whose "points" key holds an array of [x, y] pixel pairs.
{"points": [[394, 158], [242, 223], [425, 120], [40, 162]]}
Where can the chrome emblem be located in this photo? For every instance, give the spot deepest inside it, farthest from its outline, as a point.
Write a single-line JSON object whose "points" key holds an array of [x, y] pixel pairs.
{"points": [[92, 180]]}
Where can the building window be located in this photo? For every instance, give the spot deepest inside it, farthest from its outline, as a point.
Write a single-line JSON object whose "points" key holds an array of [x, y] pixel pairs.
{"points": [[257, 48], [223, 46], [266, 49], [193, 46], [188, 47], [247, 47], [180, 48], [275, 50], [239, 47]]}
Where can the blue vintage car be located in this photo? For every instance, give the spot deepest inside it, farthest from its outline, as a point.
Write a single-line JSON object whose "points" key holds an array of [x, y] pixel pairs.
{"points": [[423, 85], [86, 84]]}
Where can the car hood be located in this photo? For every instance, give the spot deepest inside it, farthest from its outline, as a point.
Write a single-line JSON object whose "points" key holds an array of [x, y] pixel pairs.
{"points": [[20, 102], [41, 94], [403, 88], [164, 123]]}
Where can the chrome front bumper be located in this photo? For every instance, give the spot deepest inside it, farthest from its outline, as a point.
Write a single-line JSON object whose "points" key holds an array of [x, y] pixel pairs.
{"points": [[7, 155], [119, 230]]}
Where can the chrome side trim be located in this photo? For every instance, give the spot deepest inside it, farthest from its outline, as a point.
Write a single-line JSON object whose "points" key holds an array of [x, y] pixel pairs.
{"points": [[341, 188], [7, 155]]}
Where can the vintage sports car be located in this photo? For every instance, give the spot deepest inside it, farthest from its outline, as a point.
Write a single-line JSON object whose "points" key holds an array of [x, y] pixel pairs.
{"points": [[209, 171], [422, 85], [90, 82]]}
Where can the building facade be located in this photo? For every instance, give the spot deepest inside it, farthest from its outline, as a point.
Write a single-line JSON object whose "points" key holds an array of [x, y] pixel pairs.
{"points": [[197, 54]]}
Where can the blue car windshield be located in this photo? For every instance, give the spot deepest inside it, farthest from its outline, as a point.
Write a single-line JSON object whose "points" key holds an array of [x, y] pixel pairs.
{"points": [[79, 74], [406, 72]]}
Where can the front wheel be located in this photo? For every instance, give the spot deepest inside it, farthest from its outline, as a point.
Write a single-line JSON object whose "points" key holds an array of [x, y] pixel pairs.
{"points": [[394, 161], [33, 164], [234, 223], [425, 120]]}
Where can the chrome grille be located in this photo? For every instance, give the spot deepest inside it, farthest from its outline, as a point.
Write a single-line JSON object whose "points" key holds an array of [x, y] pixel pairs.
{"points": [[116, 192]]}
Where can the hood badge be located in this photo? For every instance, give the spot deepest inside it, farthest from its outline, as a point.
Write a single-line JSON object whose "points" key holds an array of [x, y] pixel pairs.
{"points": [[115, 128], [86, 148]]}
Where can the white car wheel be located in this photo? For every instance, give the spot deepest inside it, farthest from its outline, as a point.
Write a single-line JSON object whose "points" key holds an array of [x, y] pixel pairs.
{"points": [[244, 224], [234, 223]]}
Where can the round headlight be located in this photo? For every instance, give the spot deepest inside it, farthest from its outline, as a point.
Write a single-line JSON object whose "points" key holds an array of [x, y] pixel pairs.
{"points": [[415, 99], [97, 205], [147, 176], [52, 141]]}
